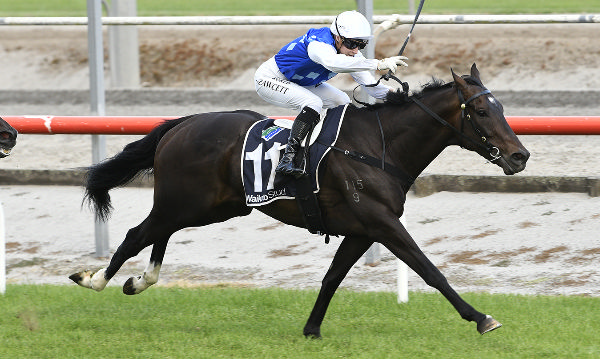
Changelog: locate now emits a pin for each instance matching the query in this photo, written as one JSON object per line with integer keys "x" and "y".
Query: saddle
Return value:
{"x": 264, "y": 145}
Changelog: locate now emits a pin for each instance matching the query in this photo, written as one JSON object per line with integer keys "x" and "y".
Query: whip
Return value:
{"x": 389, "y": 74}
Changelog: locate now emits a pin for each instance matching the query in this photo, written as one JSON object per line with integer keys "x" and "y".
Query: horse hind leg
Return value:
{"x": 136, "y": 285}
{"x": 137, "y": 238}
{"x": 349, "y": 252}
{"x": 90, "y": 279}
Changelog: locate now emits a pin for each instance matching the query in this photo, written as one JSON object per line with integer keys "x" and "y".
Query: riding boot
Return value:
{"x": 302, "y": 124}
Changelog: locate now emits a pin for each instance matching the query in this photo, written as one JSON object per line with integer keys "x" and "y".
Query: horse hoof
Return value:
{"x": 83, "y": 279}
{"x": 487, "y": 325}
{"x": 129, "y": 288}
{"x": 312, "y": 334}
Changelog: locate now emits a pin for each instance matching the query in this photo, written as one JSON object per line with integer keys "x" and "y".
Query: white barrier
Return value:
{"x": 290, "y": 20}
{"x": 402, "y": 280}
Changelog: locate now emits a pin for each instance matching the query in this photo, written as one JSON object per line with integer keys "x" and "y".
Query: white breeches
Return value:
{"x": 272, "y": 86}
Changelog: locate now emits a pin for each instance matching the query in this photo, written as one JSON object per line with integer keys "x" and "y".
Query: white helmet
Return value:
{"x": 351, "y": 25}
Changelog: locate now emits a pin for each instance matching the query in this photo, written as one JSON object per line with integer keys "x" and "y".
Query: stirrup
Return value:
{"x": 300, "y": 170}
{"x": 290, "y": 169}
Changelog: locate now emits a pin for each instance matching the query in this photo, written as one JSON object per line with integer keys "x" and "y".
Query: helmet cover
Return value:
{"x": 351, "y": 25}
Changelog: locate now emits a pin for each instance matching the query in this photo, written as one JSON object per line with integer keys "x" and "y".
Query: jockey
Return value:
{"x": 295, "y": 77}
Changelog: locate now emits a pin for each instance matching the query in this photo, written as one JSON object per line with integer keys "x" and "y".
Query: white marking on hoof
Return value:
{"x": 98, "y": 281}
{"x": 151, "y": 274}
{"x": 136, "y": 285}
{"x": 83, "y": 278}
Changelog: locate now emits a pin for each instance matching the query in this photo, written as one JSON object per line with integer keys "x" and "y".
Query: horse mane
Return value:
{"x": 400, "y": 98}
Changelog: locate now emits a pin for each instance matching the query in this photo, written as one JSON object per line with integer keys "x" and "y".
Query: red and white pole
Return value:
{"x": 140, "y": 125}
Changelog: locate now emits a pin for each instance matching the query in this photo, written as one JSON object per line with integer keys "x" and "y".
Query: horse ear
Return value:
{"x": 459, "y": 81}
{"x": 475, "y": 72}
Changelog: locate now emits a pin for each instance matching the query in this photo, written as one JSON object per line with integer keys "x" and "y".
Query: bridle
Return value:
{"x": 492, "y": 150}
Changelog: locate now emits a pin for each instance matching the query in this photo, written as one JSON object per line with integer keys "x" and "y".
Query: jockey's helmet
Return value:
{"x": 351, "y": 25}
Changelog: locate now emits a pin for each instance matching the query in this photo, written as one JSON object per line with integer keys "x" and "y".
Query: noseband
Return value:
{"x": 493, "y": 151}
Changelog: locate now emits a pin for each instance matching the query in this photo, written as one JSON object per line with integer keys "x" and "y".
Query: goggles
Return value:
{"x": 352, "y": 44}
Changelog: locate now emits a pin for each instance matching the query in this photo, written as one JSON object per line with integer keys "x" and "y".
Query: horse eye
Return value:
{"x": 481, "y": 113}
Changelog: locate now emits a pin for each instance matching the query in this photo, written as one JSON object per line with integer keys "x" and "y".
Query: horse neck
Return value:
{"x": 414, "y": 137}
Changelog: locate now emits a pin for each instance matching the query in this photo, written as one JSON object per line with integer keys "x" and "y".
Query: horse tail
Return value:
{"x": 137, "y": 158}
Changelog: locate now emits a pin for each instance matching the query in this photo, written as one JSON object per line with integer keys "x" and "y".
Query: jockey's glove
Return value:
{"x": 391, "y": 63}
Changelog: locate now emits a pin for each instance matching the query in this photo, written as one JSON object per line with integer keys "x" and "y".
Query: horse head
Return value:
{"x": 484, "y": 126}
{"x": 8, "y": 138}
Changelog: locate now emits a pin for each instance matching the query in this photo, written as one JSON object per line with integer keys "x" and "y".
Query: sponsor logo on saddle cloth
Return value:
{"x": 263, "y": 147}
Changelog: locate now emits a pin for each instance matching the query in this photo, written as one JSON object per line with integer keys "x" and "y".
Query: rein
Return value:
{"x": 377, "y": 163}
{"x": 493, "y": 151}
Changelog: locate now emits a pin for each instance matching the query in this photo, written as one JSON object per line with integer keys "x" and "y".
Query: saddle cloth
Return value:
{"x": 263, "y": 147}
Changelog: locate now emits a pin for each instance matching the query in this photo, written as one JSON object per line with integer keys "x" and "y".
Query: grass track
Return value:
{"x": 72, "y": 322}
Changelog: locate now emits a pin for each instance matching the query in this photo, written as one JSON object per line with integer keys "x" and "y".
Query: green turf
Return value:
{"x": 73, "y": 322}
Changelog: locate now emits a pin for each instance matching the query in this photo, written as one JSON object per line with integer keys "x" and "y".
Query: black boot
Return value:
{"x": 302, "y": 124}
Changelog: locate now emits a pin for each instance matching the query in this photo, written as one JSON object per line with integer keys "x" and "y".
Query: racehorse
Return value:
{"x": 8, "y": 138}
{"x": 197, "y": 181}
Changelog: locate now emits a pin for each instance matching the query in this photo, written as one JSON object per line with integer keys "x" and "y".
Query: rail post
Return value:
{"x": 124, "y": 55}
{"x": 97, "y": 104}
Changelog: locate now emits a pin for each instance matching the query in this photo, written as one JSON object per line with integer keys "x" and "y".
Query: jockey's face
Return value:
{"x": 343, "y": 49}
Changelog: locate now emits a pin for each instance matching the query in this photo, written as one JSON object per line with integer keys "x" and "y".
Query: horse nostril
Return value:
{"x": 521, "y": 156}
{"x": 7, "y": 135}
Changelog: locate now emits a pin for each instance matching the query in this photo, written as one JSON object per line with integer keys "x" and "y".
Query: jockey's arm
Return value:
{"x": 327, "y": 56}
{"x": 358, "y": 66}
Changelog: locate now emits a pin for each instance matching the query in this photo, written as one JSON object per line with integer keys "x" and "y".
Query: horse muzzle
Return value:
{"x": 515, "y": 162}
{"x": 8, "y": 140}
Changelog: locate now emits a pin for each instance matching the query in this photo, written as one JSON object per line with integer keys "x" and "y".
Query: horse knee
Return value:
{"x": 331, "y": 281}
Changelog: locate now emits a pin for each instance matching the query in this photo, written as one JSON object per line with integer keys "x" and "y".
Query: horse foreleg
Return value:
{"x": 349, "y": 252}
{"x": 407, "y": 251}
{"x": 136, "y": 285}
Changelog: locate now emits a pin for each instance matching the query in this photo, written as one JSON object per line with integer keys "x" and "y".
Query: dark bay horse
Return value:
{"x": 196, "y": 162}
{"x": 8, "y": 138}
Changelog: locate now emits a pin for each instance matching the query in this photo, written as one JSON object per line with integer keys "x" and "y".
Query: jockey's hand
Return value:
{"x": 391, "y": 63}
